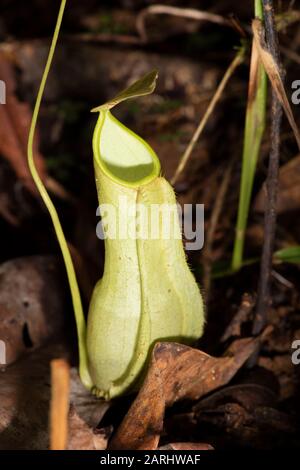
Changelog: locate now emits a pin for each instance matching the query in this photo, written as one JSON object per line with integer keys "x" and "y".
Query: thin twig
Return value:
{"x": 285, "y": 19}
{"x": 58, "y": 190}
{"x": 244, "y": 313}
{"x": 285, "y": 282}
{"x": 209, "y": 239}
{"x": 291, "y": 54}
{"x": 124, "y": 39}
{"x": 263, "y": 298}
{"x": 181, "y": 12}
{"x": 60, "y": 384}
{"x": 229, "y": 72}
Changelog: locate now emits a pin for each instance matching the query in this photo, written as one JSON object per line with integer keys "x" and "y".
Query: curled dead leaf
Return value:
{"x": 176, "y": 372}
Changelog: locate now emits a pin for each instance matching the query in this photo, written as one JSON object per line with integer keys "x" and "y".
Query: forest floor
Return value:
{"x": 237, "y": 391}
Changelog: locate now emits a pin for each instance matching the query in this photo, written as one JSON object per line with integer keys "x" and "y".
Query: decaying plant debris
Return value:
{"x": 231, "y": 390}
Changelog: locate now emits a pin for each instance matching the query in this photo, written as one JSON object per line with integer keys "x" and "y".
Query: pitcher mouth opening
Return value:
{"x": 123, "y": 156}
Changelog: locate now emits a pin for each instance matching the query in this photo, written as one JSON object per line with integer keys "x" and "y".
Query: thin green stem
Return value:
{"x": 76, "y": 299}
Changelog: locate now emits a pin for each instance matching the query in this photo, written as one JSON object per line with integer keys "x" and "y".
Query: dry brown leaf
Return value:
{"x": 83, "y": 437}
{"x": 32, "y": 309}
{"x": 88, "y": 407}
{"x": 274, "y": 74}
{"x": 15, "y": 119}
{"x": 249, "y": 395}
{"x": 176, "y": 372}
{"x": 24, "y": 400}
{"x": 261, "y": 426}
{"x": 288, "y": 188}
{"x": 187, "y": 446}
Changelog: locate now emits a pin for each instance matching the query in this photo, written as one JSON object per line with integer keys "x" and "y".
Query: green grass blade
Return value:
{"x": 254, "y": 129}
{"x": 258, "y": 9}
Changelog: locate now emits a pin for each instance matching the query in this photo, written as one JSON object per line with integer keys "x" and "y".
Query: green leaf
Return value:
{"x": 144, "y": 86}
{"x": 288, "y": 255}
